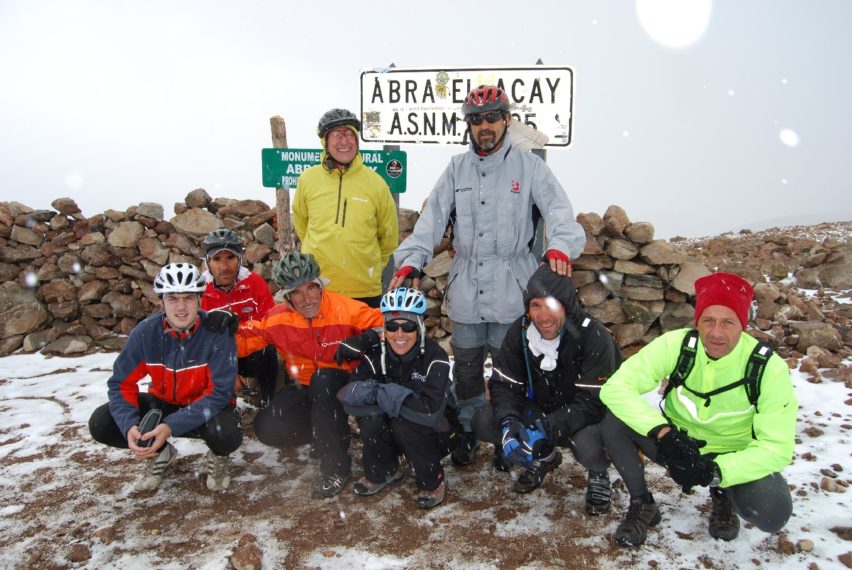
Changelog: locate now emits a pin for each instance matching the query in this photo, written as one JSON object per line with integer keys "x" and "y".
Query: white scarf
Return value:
{"x": 539, "y": 346}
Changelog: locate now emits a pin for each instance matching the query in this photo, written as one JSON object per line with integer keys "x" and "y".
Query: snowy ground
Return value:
{"x": 60, "y": 490}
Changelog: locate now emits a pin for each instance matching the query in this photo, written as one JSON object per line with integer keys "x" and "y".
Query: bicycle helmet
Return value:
{"x": 485, "y": 98}
{"x": 220, "y": 239}
{"x": 337, "y": 118}
{"x": 295, "y": 269}
{"x": 179, "y": 278}
{"x": 403, "y": 300}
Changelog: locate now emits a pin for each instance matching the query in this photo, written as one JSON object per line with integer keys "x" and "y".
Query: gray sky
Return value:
{"x": 118, "y": 102}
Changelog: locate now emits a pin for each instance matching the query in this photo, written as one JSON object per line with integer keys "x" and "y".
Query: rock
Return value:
{"x": 124, "y": 305}
{"x": 265, "y": 234}
{"x": 180, "y": 242}
{"x": 407, "y": 219}
{"x": 78, "y": 553}
{"x": 57, "y": 290}
{"x": 92, "y": 291}
{"x": 689, "y": 272}
{"x": 65, "y": 206}
{"x": 591, "y": 222}
{"x": 10, "y": 345}
{"x": 126, "y": 234}
{"x": 641, "y": 293}
{"x": 846, "y": 559}
{"x": 440, "y": 265}
{"x": 37, "y": 340}
{"x": 659, "y": 252}
{"x": 25, "y": 236}
{"x": 592, "y": 246}
{"x": 256, "y": 252}
{"x": 198, "y": 198}
{"x": 150, "y": 210}
{"x": 8, "y": 272}
{"x": 615, "y": 221}
{"x": 831, "y": 485}
{"x": 22, "y": 319}
{"x": 837, "y": 275}
{"x": 244, "y": 208}
{"x": 64, "y": 310}
{"x": 633, "y": 267}
{"x": 677, "y": 316}
{"x": 812, "y": 333}
{"x": 12, "y": 294}
{"x": 18, "y": 253}
{"x": 628, "y": 333}
{"x": 640, "y": 232}
{"x": 247, "y": 557}
{"x": 592, "y": 294}
{"x": 642, "y": 312}
{"x": 592, "y": 262}
{"x": 579, "y": 278}
{"x": 609, "y": 311}
{"x": 154, "y": 250}
{"x": 196, "y": 221}
{"x": 621, "y": 249}
{"x": 67, "y": 345}
{"x": 99, "y": 255}
{"x": 93, "y": 238}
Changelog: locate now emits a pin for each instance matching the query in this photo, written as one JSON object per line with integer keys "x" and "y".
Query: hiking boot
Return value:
{"x": 532, "y": 478}
{"x": 154, "y": 468}
{"x": 218, "y": 471}
{"x": 463, "y": 454}
{"x": 428, "y": 499}
{"x": 640, "y": 515}
{"x": 329, "y": 486}
{"x": 724, "y": 522}
{"x": 598, "y": 492}
{"x": 365, "y": 487}
{"x": 500, "y": 462}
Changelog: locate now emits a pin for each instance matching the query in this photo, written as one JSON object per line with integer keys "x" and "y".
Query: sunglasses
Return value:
{"x": 406, "y": 326}
{"x": 491, "y": 117}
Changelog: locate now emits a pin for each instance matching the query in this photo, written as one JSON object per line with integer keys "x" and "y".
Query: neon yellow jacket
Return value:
{"x": 727, "y": 423}
{"x": 348, "y": 220}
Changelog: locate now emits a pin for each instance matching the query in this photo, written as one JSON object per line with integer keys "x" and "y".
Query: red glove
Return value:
{"x": 405, "y": 272}
{"x": 557, "y": 255}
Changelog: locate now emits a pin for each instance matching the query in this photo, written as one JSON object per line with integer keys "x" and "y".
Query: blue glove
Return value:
{"x": 515, "y": 442}
{"x": 538, "y": 444}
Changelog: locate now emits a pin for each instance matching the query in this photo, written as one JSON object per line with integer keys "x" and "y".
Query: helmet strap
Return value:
{"x": 497, "y": 145}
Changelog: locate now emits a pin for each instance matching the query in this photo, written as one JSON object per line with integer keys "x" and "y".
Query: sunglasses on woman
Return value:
{"x": 491, "y": 117}
{"x": 406, "y": 326}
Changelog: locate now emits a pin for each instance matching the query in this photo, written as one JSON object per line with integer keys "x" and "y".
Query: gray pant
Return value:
{"x": 470, "y": 343}
{"x": 766, "y": 503}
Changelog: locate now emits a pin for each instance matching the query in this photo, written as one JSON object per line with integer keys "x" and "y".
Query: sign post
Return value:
{"x": 282, "y": 166}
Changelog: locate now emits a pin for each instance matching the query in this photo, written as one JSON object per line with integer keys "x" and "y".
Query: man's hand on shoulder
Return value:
{"x": 403, "y": 273}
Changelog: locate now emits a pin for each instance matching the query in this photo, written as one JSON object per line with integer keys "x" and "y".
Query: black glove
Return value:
{"x": 356, "y": 347}
{"x": 677, "y": 446}
{"x": 219, "y": 320}
{"x": 689, "y": 473}
{"x": 149, "y": 422}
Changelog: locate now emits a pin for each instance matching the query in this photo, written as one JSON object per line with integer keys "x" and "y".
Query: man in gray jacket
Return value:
{"x": 493, "y": 195}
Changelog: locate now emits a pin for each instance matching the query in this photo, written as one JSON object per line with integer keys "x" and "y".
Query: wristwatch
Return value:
{"x": 717, "y": 476}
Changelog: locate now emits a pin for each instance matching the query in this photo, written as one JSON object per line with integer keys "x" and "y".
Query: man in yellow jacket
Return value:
{"x": 344, "y": 213}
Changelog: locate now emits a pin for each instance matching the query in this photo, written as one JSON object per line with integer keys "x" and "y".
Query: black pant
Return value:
{"x": 263, "y": 367}
{"x": 385, "y": 439}
{"x": 299, "y": 414}
{"x": 766, "y": 503}
{"x": 586, "y": 444}
{"x": 222, "y": 433}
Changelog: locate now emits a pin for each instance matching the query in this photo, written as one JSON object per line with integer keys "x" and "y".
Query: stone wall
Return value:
{"x": 73, "y": 284}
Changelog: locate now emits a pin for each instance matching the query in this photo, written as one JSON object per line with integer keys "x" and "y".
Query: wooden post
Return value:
{"x": 286, "y": 242}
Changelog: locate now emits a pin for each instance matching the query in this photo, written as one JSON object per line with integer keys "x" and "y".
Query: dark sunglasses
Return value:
{"x": 406, "y": 326}
{"x": 491, "y": 117}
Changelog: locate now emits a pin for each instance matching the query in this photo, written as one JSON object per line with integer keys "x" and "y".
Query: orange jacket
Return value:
{"x": 308, "y": 344}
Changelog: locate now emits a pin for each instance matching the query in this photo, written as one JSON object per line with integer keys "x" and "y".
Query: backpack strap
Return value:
{"x": 685, "y": 362}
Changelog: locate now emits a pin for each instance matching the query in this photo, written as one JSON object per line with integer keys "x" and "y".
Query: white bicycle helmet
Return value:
{"x": 179, "y": 278}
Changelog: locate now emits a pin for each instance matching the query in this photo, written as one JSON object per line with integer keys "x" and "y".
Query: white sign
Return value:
{"x": 424, "y": 105}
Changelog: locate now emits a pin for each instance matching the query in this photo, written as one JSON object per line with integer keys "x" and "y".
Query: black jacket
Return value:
{"x": 427, "y": 375}
{"x": 587, "y": 356}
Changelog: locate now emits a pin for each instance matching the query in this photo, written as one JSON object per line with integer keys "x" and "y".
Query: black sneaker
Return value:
{"x": 500, "y": 462}
{"x": 365, "y": 487}
{"x": 329, "y": 486}
{"x": 532, "y": 478}
{"x": 463, "y": 454}
{"x": 640, "y": 516}
{"x": 724, "y": 522}
{"x": 598, "y": 492}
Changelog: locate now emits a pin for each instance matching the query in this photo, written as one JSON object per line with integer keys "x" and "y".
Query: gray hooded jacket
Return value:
{"x": 493, "y": 197}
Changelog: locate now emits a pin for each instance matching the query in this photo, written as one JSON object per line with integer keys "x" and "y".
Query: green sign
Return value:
{"x": 282, "y": 166}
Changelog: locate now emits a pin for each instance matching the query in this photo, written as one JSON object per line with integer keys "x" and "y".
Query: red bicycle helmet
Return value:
{"x": 485, "y": 98}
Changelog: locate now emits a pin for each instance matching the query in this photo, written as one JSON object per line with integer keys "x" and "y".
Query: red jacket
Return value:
{"x": 306, "y": 345}
{"x": 249, "y": 298}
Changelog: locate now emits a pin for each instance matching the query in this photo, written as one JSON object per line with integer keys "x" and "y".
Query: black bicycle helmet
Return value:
{"x": 337, "y": 118}
{"x": 220, "y": 239}
{"x": 295, "y": 269}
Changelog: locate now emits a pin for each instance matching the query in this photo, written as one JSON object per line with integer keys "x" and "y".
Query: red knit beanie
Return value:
{"x": 725, "y": 289}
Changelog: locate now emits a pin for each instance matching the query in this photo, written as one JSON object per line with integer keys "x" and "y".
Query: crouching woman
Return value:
{"x": 400, "y": 395}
